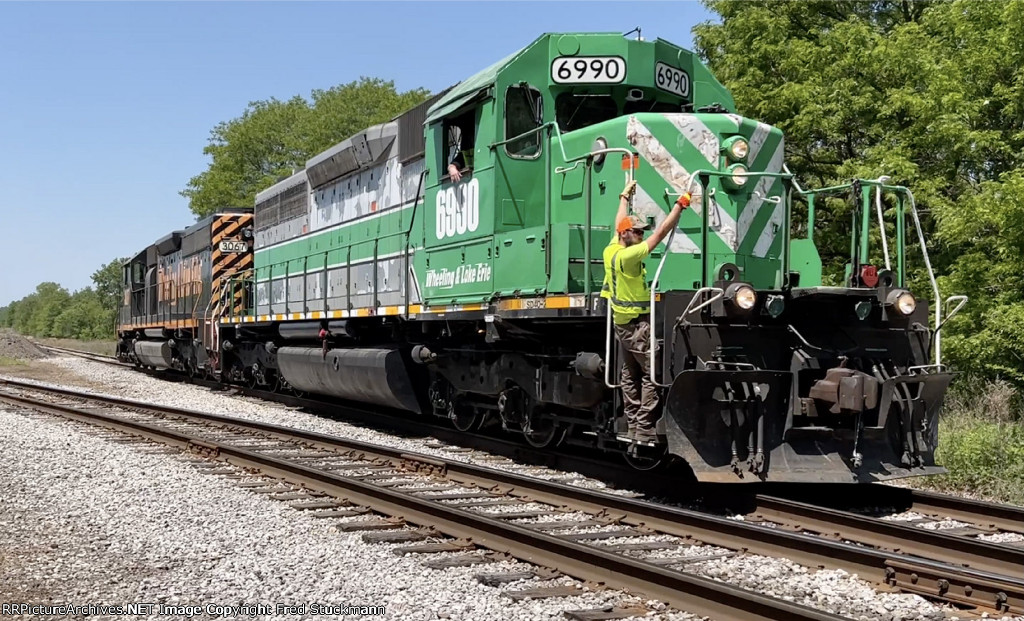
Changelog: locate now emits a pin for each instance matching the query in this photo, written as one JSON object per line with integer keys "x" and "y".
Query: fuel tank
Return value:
{"x": 378, "y": 376}
{"x": 154, "y": 354}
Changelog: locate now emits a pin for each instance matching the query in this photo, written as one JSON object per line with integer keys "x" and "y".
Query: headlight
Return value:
{"x": 736, "y": 148}
{"x": 742, "y": 295}
{"x": 906, "y": 303}
{"x": 737, "y": 177}
{"x": 903, "y": 301}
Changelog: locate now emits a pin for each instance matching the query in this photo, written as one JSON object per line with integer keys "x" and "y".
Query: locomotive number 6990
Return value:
{"x": 588, "y": 69}
{"x": 458, "y": 209}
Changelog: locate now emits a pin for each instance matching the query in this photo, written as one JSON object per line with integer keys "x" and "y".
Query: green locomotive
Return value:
{"x": 449, "y": 263}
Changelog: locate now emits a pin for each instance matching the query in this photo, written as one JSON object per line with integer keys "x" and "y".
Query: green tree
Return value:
{"x": 343, "y": 110}
{"x": 931, "y": 94}
{"x": 248, "y": 154}
{"x": 83, "y": 317}
{"x": 50, "y": 311}
{"x": 108, "y": 283}
{"x": 53, "y": 300}
{"x": 272, "y": 138}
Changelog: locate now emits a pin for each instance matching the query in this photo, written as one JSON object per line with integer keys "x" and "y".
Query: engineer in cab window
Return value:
{"x": 460, "y": 147}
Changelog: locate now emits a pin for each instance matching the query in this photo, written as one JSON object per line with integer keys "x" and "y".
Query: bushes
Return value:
{"x": 981, "y": 441}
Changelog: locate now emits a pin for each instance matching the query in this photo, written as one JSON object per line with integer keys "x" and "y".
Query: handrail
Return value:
{"x": 654, "y": 310}
{"x": 931, "y": 277}
{"x": 608, "y": 348}
{"x": 881, "y": 227}
{"x": 718, "y": 292}
{"x": 263, "y": 269}
{"x": 654, "y": 287}
{"x": 899, "y": 190}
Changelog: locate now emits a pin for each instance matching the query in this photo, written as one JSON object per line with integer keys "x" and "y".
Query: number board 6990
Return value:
{"x": 673, "y": 80}
{"x": 588, "y": 69}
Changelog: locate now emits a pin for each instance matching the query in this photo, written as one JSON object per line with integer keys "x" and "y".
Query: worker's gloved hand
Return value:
{"x": 629, "y": 190}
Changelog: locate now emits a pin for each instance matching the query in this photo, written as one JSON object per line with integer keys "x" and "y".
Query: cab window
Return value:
{"x": 524, "y": 111}
{"x": 632, "y": 107}
{"x": 578, "y": 110}
{"x": 459, "y": 141}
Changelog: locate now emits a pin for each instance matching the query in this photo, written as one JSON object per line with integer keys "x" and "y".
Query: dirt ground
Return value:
{"x": 22, "y": 358}
{"x": 45, "y": 371}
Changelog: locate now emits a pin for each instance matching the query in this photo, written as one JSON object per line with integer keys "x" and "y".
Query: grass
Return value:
{"x": 981, "y": 441}
{"x": 94, "y": 347}
{"x": 12, "y": 362}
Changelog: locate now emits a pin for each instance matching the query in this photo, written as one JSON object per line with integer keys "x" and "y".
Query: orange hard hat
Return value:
{"x": 631, "y": 222}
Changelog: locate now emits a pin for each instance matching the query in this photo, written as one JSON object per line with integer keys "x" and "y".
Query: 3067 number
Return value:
{"x": 673, "y": 80}
{"x": 588, "y": 69}
{"x": 233, "y": 245}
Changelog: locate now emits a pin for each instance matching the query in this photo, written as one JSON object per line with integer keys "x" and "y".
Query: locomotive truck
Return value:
{"x": 379, "y": 277}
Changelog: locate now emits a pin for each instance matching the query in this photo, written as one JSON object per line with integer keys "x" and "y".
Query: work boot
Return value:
{"x": 646, "y": 435}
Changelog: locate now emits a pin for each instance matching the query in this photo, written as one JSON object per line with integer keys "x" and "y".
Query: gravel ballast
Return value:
{"x": 88, "y": 521}
{"x": 829, "y": 590}
{"x": 14, "y": 345}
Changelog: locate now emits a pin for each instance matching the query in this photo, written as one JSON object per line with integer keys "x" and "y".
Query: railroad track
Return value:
{"x": 748, "y": 499}
{"x": 621, "y": 542}
{"x": 104, "y": 358}
{"x": 365, "y": 478}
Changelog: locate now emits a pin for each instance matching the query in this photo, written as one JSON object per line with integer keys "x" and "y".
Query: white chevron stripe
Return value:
{"x": 757, "y": 140}
{"x": 645, "y": 207}
{"x": 694, "y": 130}
{"x": 764, "y": 184}
{"x": 771, "y": 230}
{"x": 661, "y": 160}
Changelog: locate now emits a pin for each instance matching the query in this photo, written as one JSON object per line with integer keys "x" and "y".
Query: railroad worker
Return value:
{"x": 629, "y": 300}
{"x": 461, "y": 145}
{"x": 463, "y": 161}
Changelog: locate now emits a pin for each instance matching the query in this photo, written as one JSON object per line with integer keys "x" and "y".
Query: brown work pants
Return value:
{"x": 639, "y": 395}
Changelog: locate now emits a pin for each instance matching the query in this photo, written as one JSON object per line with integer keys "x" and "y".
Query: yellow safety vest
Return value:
{"x": 627, "y": 293}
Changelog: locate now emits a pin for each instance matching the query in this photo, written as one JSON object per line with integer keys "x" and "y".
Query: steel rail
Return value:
{"x": 656, "y": 483}
{"x": 886, "y": 535}
{"x": 978, "y": 512}
{"x": 941, "y": 576}
{"x": 688, "y": 592}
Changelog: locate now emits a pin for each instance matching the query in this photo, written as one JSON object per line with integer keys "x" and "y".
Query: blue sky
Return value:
{"x": 105, "y": 107}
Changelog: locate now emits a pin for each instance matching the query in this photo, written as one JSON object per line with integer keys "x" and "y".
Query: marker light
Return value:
{"x": 775, "y": 305}
{"x": 600, "y": 144}
{"x": 863, "y": 309}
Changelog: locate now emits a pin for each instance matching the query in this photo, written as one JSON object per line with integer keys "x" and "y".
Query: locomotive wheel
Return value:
{"x": 545, "y": 433}
{"x": 236, "y": 374}
{"x": 464, "y": 418}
